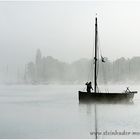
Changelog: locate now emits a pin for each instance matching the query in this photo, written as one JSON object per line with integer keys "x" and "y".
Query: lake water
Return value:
{"x": 53, "y": 111}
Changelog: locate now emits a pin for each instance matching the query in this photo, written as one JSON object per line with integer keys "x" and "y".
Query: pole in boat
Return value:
{"x": 95, "y": 75}
{"x": 95, "y": 57}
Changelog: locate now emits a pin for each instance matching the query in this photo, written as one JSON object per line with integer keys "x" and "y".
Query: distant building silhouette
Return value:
{"x": 49, "y": 70}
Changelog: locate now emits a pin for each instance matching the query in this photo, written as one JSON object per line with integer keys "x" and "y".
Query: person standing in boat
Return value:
{"x": 89, "y": 86}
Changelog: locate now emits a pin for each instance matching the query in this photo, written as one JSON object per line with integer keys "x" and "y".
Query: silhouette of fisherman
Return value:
{"x": 89, "y": 86}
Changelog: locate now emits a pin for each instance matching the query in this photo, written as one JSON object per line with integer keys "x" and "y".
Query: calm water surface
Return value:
{"x": 53, "y": 111}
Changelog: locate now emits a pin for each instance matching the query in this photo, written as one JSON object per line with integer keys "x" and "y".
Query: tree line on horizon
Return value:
{"x": 50, "y": 70}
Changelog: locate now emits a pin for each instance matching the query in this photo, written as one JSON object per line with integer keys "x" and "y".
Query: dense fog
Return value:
{"x": 64, "y": 32}
{"x": 50, "y": 70}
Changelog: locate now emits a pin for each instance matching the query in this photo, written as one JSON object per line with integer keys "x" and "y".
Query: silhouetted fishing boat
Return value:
{"x": 126, "y": 95}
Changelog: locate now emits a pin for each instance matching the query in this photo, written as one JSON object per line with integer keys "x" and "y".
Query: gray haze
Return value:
{"x": 65, "y": 30}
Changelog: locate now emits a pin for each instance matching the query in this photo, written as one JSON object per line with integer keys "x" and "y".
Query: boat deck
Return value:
{"x": 101, "y": 96}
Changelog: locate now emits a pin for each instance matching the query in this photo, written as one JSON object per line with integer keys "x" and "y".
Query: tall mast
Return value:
{"x": 95, "y": 58}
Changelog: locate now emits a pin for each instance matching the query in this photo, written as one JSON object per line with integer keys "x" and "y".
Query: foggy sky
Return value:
{"x": 65, "y": 30}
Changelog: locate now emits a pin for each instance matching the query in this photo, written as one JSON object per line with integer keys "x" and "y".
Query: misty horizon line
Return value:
{"x": 87, "y": 58}
{"x": 49, "y": 69}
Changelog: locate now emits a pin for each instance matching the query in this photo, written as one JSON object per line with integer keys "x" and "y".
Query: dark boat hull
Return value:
{"x": 110, "y": 97}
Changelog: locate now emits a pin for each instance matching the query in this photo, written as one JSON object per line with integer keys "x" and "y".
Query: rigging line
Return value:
{"x": 91, "y": 65}
{"x": 103, "y": 66}
{"x": 90, "y": 70}
{"x": 97, "y": 72}
{"x": 104, "y": 75}
{"x": 100, "y": 48}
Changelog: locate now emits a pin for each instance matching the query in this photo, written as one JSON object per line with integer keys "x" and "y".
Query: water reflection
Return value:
{"x": 105, "y": 117}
